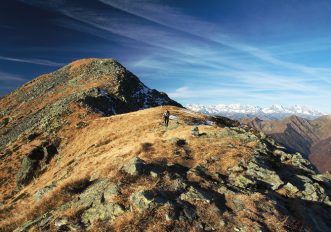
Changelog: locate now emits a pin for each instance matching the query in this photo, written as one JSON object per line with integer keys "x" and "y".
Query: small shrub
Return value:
{"x": 103, "y": 142}
{"x": 147, "y": 147}
{"x": 181, "y": 142}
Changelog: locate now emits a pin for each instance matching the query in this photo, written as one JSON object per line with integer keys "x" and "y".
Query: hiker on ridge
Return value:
{"x": 166, "y": 116}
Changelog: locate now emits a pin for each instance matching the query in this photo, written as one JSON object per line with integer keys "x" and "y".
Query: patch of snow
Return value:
{"x": 161, "y": 101}
{"x": 144, "y": 90}
{"x": 210, "y": 123}
{"x": 173, "y": 117}
{"x": 103, "y": 93}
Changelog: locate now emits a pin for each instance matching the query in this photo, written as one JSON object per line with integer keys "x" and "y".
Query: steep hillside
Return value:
{"x": 84, "y": 89}
{"x": 309, "y": 137}
{"x": 320, "y": 155}
{"x": 129, "y": 173}
{"x": 322, "y": 126}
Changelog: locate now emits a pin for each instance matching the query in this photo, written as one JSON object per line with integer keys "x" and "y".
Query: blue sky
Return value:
{"x": 209, "y": 52}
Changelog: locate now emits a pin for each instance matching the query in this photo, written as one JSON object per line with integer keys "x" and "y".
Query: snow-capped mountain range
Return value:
{"x": 238, "y": 111}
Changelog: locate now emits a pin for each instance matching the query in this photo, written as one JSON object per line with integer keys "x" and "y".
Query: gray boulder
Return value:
{"x": 30, "y": 167}
{"x": 101, "y": 211}
{"x": 195, "y": 131}
{"x": 261, "y": 173}
{"x": 194, "y": 194}
{"x": 134, "y": 166}
{"x": 35, "y": 163}
{"x": 142, "y": 200}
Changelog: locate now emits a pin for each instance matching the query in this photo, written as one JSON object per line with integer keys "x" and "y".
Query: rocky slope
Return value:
{"x": 74, "y": 159}
{"x": 129, "y": 173}
{"x": 47, "y": 111}
{"x": 95, "y": 87}
{"x": 309, "y": 137}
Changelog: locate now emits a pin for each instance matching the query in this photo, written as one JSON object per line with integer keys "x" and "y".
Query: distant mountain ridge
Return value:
{"x": 312, "y": 138}
{"x": 238, "y": 111}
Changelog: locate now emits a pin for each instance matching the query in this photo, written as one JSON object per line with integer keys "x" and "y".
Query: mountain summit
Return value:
{"x": 84, "y": 89}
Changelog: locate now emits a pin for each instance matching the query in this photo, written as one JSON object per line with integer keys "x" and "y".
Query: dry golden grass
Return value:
{"x": 76, "y": 64}
{"x": 102, "y": 147}
{"x": 257, "y": 210}
{"x": 29, "y": 210}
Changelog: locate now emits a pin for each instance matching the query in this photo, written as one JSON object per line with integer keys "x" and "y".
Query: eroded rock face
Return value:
{"x": 194, "y": 194}
{"x": 34, "y": 163}
{"x": 260, "y": 173}
{"x": 97, "y": 202}
{"x": 29, "y": 166}
{"x": 146, "y": 199}
{"x": 309, "y": 137}
{"x": 102, "y": 212}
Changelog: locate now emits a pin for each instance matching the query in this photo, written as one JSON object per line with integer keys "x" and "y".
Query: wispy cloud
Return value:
{"x": 32, "y": 61}
{"x": 172, "y": 18}
{"x": 164, "y": 15}
{"x": 195, "y": 58}
{"x": 9, "y": 81}
{"x": 10, "y": 77}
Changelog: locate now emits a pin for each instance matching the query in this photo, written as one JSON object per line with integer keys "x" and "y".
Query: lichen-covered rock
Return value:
{"x": 60, "y": 222}
{"x": 257, "y": 170}
{"x": 302, "y": 163}
{"x": 291, "y": 188}
{"x": 34, "y": 163}
{"x": 43, "y": 219}
{"x": 43, "y": 191}
{"x": 312, "y": 191}
{"x": 134, "y": 166}
{"x": 262, "y": 173}
{"x": 242, "y": 181}
{"x": 28, "y": 170}
{"x": 194, "y": 194}
{"x": 153, "y": 174}
{"x": 100, "y": 211}
{"x": 236, "y": 133}
{"x": 111, "y": 190}
{"x": 98, "y": 192}
{"x": 283, "y": 155}
{"x": 142, "y": 200}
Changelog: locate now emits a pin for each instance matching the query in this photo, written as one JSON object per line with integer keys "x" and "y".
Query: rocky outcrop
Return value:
{"x": 135, "y": 166}
{"x": 34, "y": 163}
{"x": 197, "y": 196}
{"x": 309, "y": 137}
